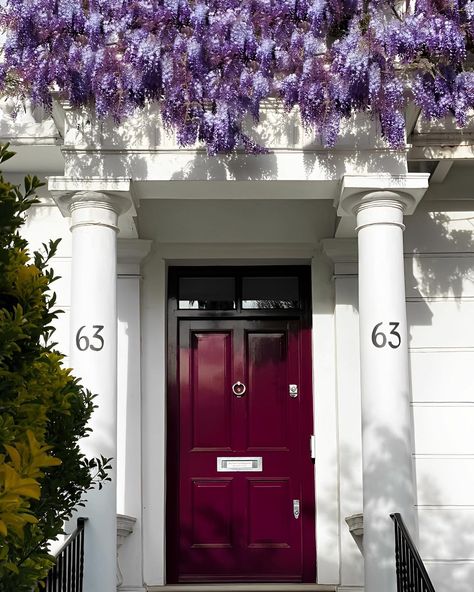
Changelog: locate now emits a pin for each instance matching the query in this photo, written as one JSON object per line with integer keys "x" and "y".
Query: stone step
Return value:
{"x": 230, "y": 587}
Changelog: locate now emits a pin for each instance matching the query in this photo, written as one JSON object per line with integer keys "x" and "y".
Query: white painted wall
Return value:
{"x": 348, "y": 463}
{"x": 325, "y": 423}
{"x": 129, "y": 422}
{"x": 440, "y": 290}
{"x": 153, "y": 417}
{"x": 349, "y": 423}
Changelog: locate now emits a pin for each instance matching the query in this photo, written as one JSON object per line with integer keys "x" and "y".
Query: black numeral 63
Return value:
{"x": 380, "y": 339}
{"x": 95, "y": 343}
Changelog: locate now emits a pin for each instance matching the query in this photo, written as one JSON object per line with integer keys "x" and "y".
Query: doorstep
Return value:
{"x": 247, "y": 587}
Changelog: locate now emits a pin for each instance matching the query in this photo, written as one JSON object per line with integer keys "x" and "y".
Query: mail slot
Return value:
{"x": 227, "y": 464}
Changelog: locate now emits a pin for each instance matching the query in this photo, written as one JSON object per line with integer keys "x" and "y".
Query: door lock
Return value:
{"x": 293, "y": 390}
{"x": 296, "y": 508}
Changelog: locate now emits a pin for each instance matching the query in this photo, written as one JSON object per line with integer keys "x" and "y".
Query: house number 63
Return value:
{"x": 95, "y": 343}
{"x": 380, "y": 339}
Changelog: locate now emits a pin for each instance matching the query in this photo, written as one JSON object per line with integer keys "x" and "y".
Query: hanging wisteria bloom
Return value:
{"x": 211, "y": 63}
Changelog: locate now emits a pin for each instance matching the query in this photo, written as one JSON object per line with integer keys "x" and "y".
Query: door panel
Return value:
{"x": 239, "y": 526}
{"x": 266, "y": 358}
{"x": 268, "y": 516}
{"x": 210, "y": 405}
{"x": 211, "y": 506}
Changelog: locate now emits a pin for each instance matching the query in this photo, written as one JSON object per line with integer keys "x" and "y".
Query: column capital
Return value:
{"x": 405, "y": 190}
{"x": 71, "y": 193}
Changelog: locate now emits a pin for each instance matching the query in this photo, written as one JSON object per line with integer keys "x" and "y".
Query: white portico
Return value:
{"x": 179, "y": 208}
{"x": 379, "y": 203}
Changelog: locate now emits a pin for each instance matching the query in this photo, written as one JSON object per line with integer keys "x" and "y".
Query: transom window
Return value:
{"x": 246, "y": 291}
{"x": 207, "y": 293}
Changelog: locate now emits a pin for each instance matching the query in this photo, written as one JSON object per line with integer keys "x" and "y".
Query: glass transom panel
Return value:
{"x": 207, "y": 293}
{"x": 270, "y": 292}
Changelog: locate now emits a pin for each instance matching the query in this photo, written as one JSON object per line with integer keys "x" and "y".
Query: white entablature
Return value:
{"x": 75, "y": 144}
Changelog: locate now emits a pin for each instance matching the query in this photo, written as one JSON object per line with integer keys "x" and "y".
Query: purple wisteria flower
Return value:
{"x": 211, "y": 63}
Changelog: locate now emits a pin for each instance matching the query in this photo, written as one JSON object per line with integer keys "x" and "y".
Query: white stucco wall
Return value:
{"x": 440, "y": 291}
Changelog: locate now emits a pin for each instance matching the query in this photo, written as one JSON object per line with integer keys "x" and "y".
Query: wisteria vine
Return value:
{"x": 211, "y": 63}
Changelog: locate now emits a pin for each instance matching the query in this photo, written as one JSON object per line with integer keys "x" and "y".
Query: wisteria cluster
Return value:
{"x": 211, "y": 63}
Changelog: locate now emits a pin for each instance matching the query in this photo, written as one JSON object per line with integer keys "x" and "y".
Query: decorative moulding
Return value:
{"x": 125, "y": 525}
{"x": 63, "y": 189}
{"x": 355, "y": 522}
{"x": 409, "y": 187}
{"x": 133, "y": 250}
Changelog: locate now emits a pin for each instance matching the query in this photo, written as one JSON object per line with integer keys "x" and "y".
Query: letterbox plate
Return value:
{"x": 231, "y": 464}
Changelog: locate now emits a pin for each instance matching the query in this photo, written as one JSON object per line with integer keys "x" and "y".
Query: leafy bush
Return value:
{"x": 43, "y": 408}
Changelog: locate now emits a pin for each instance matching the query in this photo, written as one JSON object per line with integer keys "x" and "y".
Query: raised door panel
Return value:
{"x": 269, "y": 513}
{"x": 210, "y": 387}
{"x": 207, "y": 536}
{"x": 266, "y": 354}
{"x": 211, "y": 503}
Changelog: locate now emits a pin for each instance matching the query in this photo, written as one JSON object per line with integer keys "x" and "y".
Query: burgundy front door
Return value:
{"x": 244, "y": 393}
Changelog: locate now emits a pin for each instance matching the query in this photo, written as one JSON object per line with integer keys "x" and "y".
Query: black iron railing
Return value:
{"x": 411, "y": 572}
{"x": 67, "y": 573}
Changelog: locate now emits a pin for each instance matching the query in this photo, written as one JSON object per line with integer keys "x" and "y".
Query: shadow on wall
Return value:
{"x": 104, "y": 148}
{"x": 283, "y": 132}
{"x": 133, "y": 148}
{"x": 389, "y": 481}
{"x": 350, "y": 489}
{"x": 361, "y": 143}
{"x": 446, "y": 539}
{"x": 430, "y": 236}
{"x": 442, "y": 245}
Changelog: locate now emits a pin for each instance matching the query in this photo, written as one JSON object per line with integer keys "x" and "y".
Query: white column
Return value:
{"x": 94, "y": 218}
{"x": 379, "y": 202}
{"x": 388, "y": 479}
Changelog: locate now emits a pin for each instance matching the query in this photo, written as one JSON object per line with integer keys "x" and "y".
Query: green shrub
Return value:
{"x": 43, "y": 409}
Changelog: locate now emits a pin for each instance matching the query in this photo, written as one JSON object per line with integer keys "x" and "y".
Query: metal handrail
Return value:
{"x": 411, "y": 572}
{"x": 66, "y": 575}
